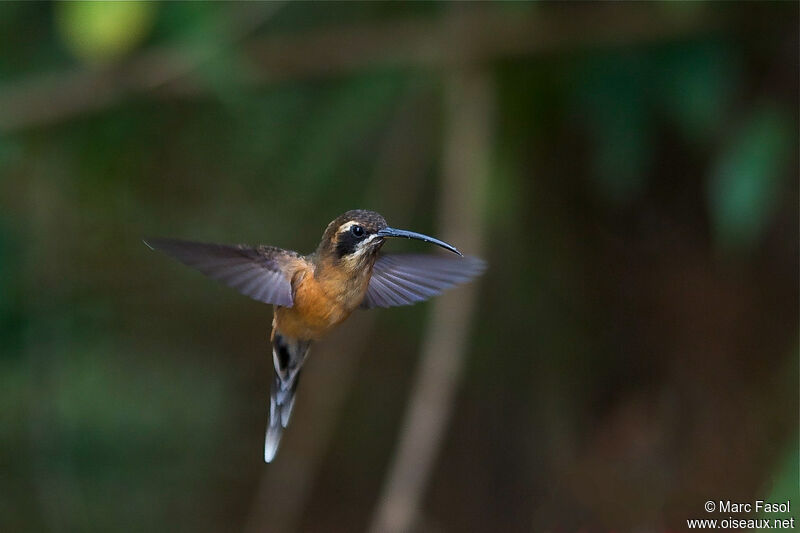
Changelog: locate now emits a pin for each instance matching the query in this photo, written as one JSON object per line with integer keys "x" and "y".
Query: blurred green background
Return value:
{"x": 635, "y": 345}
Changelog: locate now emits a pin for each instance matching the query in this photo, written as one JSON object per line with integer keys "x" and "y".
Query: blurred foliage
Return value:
{"x": 634, "y": 325}
{"x": 748, "y": 180}
{"x": 102, "y": 32}
{"x": 785, "y": 487}
{"x": 623, "y": 95}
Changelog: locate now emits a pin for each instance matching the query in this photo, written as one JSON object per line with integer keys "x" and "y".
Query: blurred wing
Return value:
{"x": 260, "y": 273}
{"x": 406, "y": 279}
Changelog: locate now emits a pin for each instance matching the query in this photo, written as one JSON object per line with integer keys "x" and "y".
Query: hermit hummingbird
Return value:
{"x": 313, "y": 293}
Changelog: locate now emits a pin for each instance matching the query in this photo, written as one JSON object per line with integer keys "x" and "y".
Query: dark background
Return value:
{"x": 633, "y": 351}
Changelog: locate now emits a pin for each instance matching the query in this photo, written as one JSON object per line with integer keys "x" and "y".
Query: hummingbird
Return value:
{"x": 312, "y": 294}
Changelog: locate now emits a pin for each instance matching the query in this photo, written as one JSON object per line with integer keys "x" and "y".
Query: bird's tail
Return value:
{"x": 288, "y": 357}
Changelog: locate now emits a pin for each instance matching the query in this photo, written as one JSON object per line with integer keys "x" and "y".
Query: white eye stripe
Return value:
{"x": 367, "y": 240}
{"x": 346, "y": 226}
{"x": 362, "y": 245}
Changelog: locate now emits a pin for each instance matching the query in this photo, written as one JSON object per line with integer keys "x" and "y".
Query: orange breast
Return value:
{"x": 319, "y": 305}
{"x": 324, "y": 296}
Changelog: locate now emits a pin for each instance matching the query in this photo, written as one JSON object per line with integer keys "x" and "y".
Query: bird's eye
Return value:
{"x": 357, "y": 231}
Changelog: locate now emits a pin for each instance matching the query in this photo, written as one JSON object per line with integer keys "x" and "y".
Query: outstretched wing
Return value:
{"x": 262, "y": 272}
{"x": 405, "y": 279}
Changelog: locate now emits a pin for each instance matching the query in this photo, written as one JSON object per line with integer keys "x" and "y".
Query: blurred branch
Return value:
{"x": 54, "y": 96}
{"x": 469, "y": 100}
{"x": 493, "y": 33}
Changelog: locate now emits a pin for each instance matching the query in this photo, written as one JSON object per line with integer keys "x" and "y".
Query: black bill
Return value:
{"x": 391, "y": 232}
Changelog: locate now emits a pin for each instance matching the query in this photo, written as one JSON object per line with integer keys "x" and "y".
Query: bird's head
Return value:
{"x": 354, "y": 238}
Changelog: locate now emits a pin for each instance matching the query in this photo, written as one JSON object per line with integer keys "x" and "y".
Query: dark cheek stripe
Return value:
{"x": 346, "y": 245}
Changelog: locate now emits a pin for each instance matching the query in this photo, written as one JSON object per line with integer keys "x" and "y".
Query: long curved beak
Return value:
{"x": 391, "y": 232}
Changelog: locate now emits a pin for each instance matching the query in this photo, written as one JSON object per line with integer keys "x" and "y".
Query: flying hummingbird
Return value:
{"x": 312, "y": 294}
